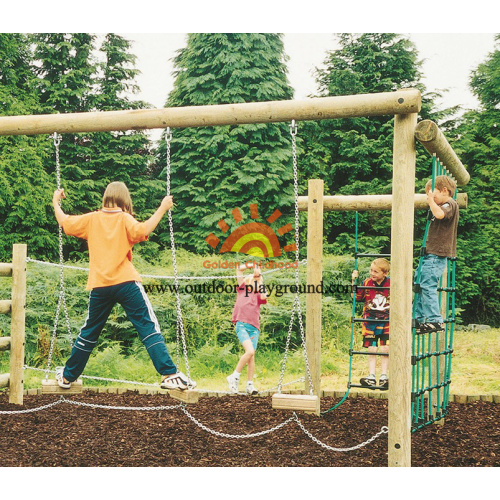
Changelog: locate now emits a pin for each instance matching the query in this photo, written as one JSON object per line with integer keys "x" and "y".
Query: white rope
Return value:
{"x": 165, "y": 277}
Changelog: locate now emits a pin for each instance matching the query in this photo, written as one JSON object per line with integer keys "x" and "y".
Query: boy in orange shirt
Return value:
{"x": 111, "y": 233}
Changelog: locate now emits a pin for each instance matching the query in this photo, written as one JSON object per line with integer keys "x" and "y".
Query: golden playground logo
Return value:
{"x": 253, "y": 238}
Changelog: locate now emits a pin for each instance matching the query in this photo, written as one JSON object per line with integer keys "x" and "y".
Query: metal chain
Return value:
{"x": 31, "y": 410}
{"x": 132, "y": 408}
{"x": 296, "y": 302}
{"x": 180, "y": 322}
{"x": 62, "y": 292}
{"x": 235, "y": 436}
{"x": 383, "y": 430}
{"x": 102, "y": 379}
{"x": 182, "y": 407}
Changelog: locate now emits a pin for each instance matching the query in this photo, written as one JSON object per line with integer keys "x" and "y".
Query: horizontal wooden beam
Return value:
{"x": 5, "y": 269}
{"x": 4, "y": 380}
{"x": 5, "y": 306}
{"x": 321, "y": 108}
{"x": 371, "y": 202}
{"x": 434, "y": 141}
{"x": 4, "y": 343}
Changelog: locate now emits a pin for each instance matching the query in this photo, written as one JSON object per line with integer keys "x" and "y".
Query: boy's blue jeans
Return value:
{"x": 427, "y": 308}
{"x": 132, "y": 297}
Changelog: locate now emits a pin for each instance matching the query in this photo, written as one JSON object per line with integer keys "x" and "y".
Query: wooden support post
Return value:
{"x": 434, "y": 141}
{"x": 403, "y": 189}
{"x": 314, "y": 279}
{"x": 18, "y": 312}
{"x": 321, "y": 108}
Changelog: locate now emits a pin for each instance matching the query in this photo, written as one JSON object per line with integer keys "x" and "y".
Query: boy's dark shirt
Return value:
{"x": 442, "y": 236}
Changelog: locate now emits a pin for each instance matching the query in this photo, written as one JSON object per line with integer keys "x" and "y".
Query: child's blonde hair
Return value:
{"x": 442, "y": 182}
{"x": 117, "y": 195}
{"x": 383, "y": 264}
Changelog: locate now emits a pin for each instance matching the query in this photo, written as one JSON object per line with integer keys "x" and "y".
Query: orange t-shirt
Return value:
{"x": 110, "y": 234}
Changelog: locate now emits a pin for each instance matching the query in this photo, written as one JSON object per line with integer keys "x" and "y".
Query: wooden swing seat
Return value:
{"x": 189, "y": 396}
{"x": 298, "y": 402}
{"x": 50, "y": 386}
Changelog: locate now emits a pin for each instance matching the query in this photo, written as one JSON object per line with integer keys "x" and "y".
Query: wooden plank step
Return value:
{"x": 300, "y": 402}
{"x": 189, "y": 396}
{"x": 50, "y": 387}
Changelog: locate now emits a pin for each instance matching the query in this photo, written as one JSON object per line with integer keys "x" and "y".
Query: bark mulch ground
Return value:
{"x": 79, "y": 436}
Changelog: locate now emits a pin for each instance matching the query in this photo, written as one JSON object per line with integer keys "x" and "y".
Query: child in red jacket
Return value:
{"x": 375, "y": 329}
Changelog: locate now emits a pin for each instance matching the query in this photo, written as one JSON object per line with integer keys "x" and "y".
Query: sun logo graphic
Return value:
{"x": 253, "y": 238}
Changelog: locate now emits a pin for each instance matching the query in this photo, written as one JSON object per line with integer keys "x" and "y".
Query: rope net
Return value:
{"x": 432, "y": 351}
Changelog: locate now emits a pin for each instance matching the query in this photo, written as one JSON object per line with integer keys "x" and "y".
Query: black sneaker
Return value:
{"x": 383, "y": 383}
{"x": 429, "y": 327}
{"x": 369, "y": 381}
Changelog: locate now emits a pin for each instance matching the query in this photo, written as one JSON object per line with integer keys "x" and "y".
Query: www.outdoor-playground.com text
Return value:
{"x": 217, "y": 288}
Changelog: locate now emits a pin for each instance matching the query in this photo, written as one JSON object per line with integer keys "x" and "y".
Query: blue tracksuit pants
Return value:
{"x": 132, "y": 297}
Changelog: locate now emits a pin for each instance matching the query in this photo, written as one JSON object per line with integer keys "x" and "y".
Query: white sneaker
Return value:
{"x": 177, "y": 381}
{"x": 61, "y": 381}
{"x": 233, "y": 383}
{"x": 251, "y": 390}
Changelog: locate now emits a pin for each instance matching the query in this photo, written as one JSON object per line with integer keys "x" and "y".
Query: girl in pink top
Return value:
{"x": 251, "y": 295}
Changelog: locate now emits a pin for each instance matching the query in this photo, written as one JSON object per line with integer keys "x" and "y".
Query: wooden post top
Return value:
{"x": 434, "y": 141}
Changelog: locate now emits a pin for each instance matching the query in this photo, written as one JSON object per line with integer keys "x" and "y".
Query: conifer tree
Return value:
{"x": 76, "y": 74}
{"x": 66, "y": 67}
{"x": 24, "y": 184}
{"x": 123, "y": 155}
{"x": 217, "y": 169}
{"x": 354, "y": 156}
{"x": 478, "y": 146}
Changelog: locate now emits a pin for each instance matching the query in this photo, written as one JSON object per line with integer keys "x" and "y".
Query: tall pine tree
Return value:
{"x": 217, "y": 169}
{"x": 24, "y": 184}
{"x": 478, "y": 145}
{"x": 77, "y": 75}
{"x": 354, "y": 156}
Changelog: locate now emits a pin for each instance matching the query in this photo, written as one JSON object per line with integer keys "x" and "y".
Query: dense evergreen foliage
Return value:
{"x": 354, "y": 156}
{"x": 67, "y": 73}
{"x": 478, "y": 145}
{"x": 216, "y": 169}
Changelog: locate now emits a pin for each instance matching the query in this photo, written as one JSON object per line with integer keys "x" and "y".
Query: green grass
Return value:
{"x": 212, "y": 346}
{"x": 475, "y": 364}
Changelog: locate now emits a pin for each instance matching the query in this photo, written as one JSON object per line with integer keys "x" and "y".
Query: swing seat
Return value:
{"x": 189, "y": 396}
{"x": 299, "y": 402}
{"x": 50, "y": 386}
